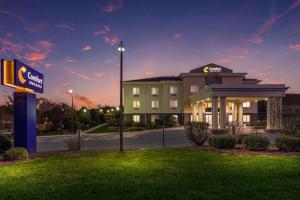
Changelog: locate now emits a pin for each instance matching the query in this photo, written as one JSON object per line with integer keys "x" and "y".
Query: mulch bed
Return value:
{"x": 240, "y": 151}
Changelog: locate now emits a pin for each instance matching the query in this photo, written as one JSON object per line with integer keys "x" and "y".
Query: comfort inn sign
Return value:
{"x": 20, "y": 76}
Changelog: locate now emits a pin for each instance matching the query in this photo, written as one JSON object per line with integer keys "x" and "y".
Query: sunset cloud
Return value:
{"x": 35, "y": 56}
{"x": 112, "y": 6}
{"x": 37, "y": 27}
{"x": 268, "y": 24}
{"x": 81, "y": 100}
{"x": 99, "y": 74}
{"x": 67, "y": 26}
{"x": 103, "y": 31}
{"x": 178, "y": 36}
{"x": 69, "y": 59}
{"x": 87, "y": 48}
{"x": 110, "y": 40}
{"x": 295, "y": 47}
{"x": 12, "y": 15}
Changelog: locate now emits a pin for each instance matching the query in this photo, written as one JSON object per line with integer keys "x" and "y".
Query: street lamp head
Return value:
{"x": 84, "y": 110}
{"x": 70, "y": 91}
{"x": 121, "y": 47}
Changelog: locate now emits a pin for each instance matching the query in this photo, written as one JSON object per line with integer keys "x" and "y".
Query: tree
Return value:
{"x": 84, "y": 117}
{"x": 68, "y": 118}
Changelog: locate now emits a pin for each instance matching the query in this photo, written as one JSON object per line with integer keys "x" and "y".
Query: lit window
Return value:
{"x": 136, "y": 118}
{"x": 155, "y": 104}
{"x": 230, "y": 119}
{"x": 194, "y": 88}
{"x": 154, "y": 91}
{"x": 136, "y": 104}
{"x": 173, "y": 90}
{"x": 246, "y": 118}
{"x": 154, "y": 118}
{"x": 246, "y": 104}
{"x": 136, "y": 91}
{"x": 173, "y": 104}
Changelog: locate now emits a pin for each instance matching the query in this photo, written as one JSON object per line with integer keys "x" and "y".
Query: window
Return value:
{"x": 194, "y": 88}
{"x": 173, "y": 90}
{"x": 230, "y": 119}
{"x": 246, "y": 118}
{"x": 136, "y": 104}
{"x": 154, "y": 118}
{"x": 136, "y": 118}
{"x": 154, "y": 104}
{"x": 136, "y": 91}
{"x": 173, "y": 104}
{"x": 246, "y": 104}
{"x": 154, "y": 91}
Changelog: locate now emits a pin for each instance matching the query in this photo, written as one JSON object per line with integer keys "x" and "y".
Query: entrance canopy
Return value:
{"x": 224, "y": 99}
{"x": 240, "y": 90}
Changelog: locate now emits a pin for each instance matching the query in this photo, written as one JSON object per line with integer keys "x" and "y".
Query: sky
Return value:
{"x": 74, "y": 43}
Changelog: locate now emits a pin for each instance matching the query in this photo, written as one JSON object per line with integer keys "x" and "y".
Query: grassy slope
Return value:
{"x": 153, "y": 174}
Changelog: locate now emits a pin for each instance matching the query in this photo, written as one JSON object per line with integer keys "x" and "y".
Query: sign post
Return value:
{"x": 26, "y": 81}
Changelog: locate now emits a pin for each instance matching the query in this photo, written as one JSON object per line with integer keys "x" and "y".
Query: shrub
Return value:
{"x": 17, "y": 153}
{"x": 5, "y": 144}
{"x": 197, "y": 132}
{"x": 136, "y": 128}
{"x": 256, "y": 142}
{"x": 286, "y": 143}
{"x": 219, "y": 131}
{"x": 224, "y": 141}
{"x": 239, "y": 138}
{"x": 73, "y": 144}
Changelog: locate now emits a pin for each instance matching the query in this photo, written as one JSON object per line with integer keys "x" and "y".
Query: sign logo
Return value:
{"x": 21, "y": 71}
{"x": 212, "y": 69}
{"x": 18, "y": 75}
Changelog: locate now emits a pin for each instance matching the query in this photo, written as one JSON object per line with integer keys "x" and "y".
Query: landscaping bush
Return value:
{"x": 17, "y": 153}
{"x": 197, "y": 132}
{"x": 256, "y": 143}
{"x": 239, "y": 138}
{"x": 224, "y": 141}
{"x": 286, "y": 143}
{"x": 136, "y": 128}
{"x": 218, "y": 131}
{"x": 5, "y": 144}
{"x": 73, "y": 144}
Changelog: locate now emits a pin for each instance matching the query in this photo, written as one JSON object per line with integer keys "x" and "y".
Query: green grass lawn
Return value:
{"x": 152, "y": 174}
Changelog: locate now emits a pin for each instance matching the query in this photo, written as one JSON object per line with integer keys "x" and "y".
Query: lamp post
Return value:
{"x": 71, "y": 92}
{"x": 121, "y": 49}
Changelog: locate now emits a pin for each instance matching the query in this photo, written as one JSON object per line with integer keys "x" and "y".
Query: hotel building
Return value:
{"x": 210, "y": 93}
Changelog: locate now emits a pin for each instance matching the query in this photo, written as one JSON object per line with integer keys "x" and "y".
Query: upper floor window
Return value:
{"x": 173, "y": 90}
{"x": 136, "y": 104}
{"x": 246, "y": 104}
{"x": 194, "y": 88}
{"x": 154, "y": 91}
{"x": 154, "y": 104}
{"x": 136, "y": 91}
{"x": 173, "y": 104}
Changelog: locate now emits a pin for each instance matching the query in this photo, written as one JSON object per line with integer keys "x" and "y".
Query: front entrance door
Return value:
{"x": 208, "y": 119}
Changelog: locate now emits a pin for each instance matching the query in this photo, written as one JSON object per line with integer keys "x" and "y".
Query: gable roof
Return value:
{"x": 218, "y": 69}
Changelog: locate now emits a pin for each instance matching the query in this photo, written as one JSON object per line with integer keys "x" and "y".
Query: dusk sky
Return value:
{"x": 74, "y": 43}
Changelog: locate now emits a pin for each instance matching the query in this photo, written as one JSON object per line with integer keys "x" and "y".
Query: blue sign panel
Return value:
{"x": 28, "y": 77}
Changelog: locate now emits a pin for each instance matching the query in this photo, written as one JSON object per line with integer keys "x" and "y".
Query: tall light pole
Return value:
{"x": 72, "y": 109}
{"x": 121, "y": 49}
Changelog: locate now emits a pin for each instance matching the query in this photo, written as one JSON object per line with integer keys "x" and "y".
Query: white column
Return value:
{"x": 214, "y": 112}
{"x": 194, "y": 112}
{"x": 200, "y": 111}
{"x": 240, "y": 112}
{"x": 270, "y": 111}
{"x": 222, "y": 112}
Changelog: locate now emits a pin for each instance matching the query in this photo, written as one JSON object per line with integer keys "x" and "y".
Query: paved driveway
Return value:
{"x": 174, "y": 137}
